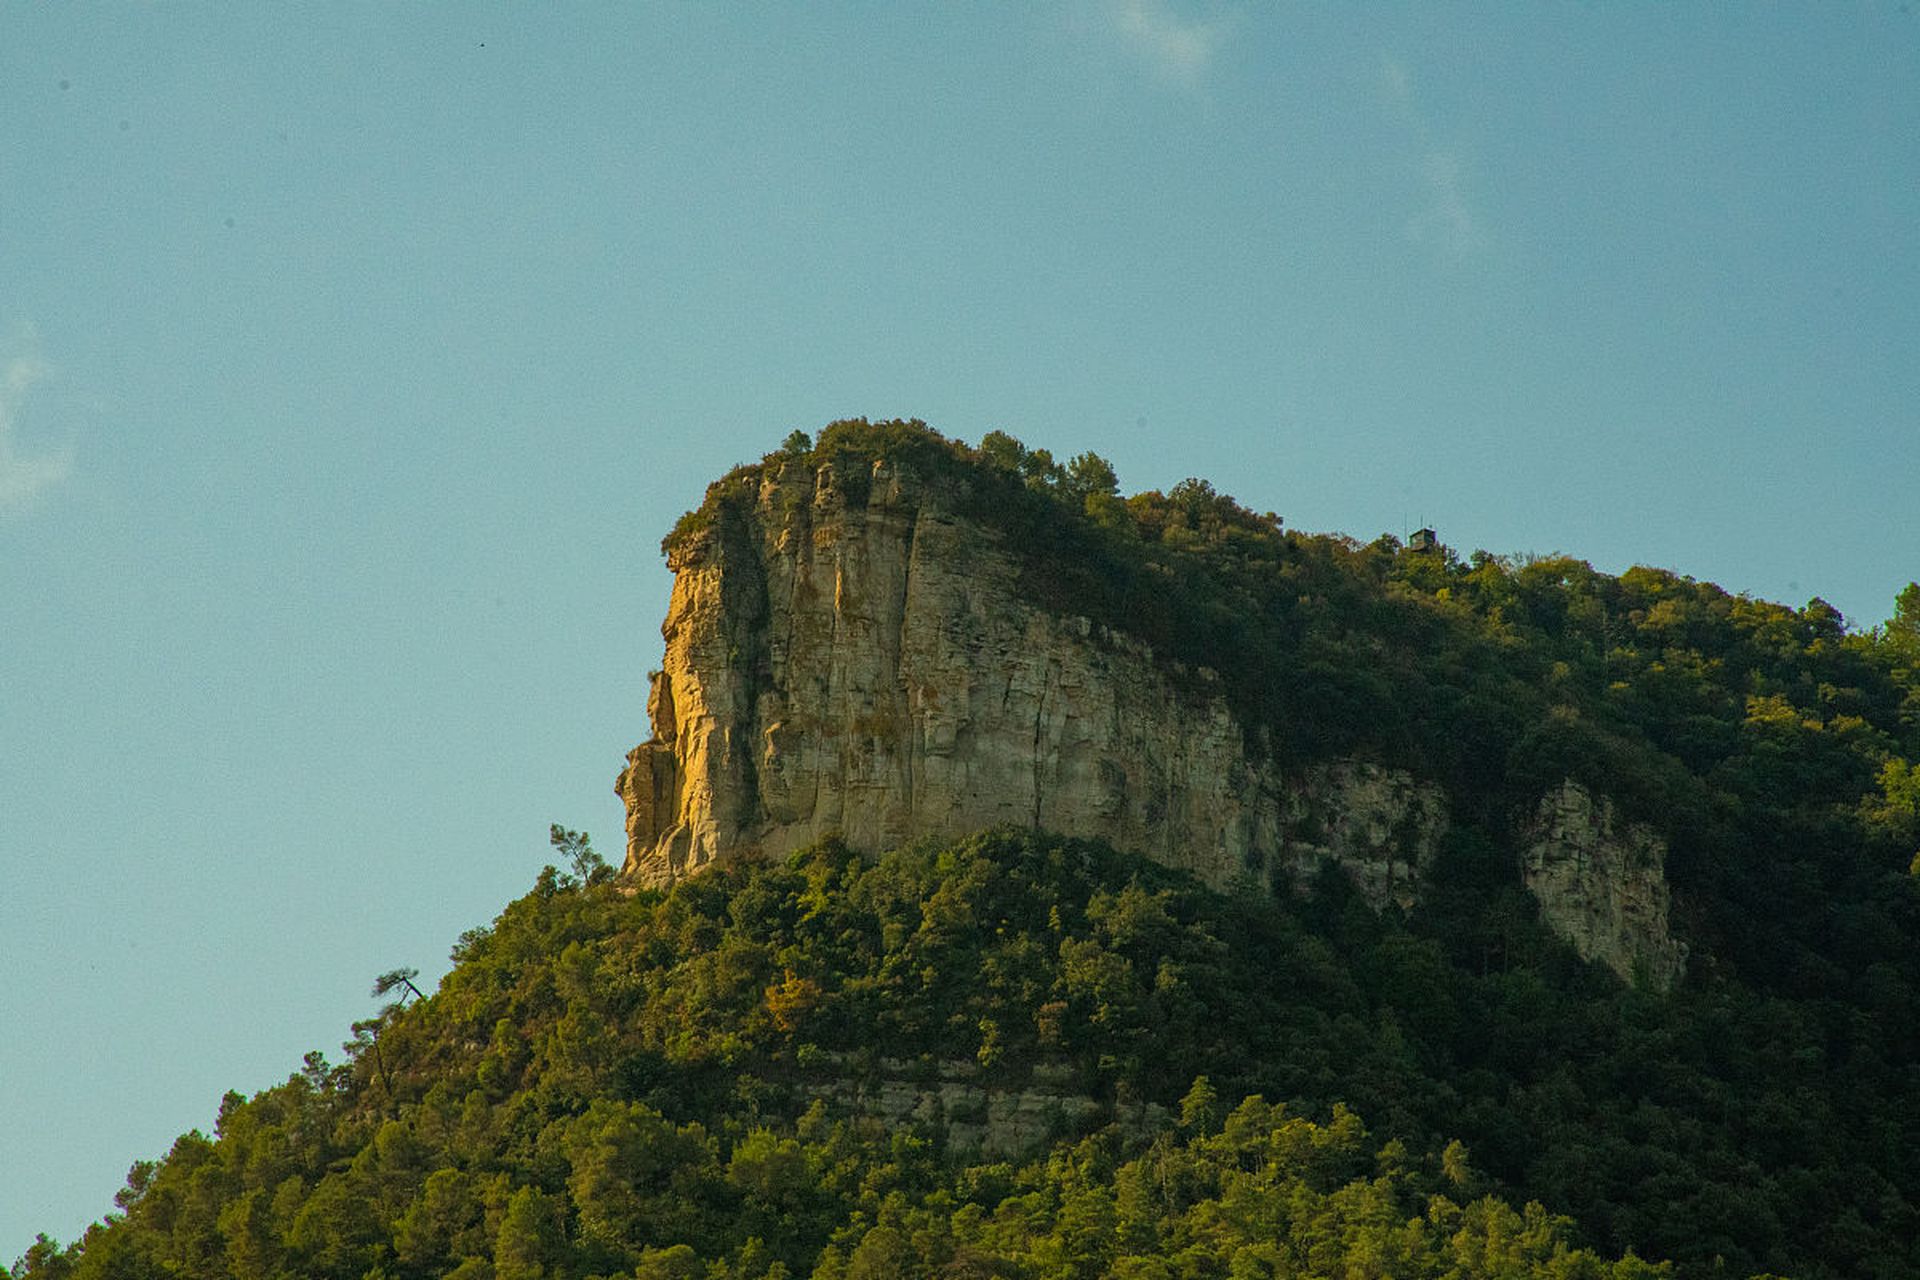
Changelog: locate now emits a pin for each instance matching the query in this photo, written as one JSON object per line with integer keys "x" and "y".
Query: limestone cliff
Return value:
{"x": 976, "y": 1115}
{"x": 1601, "y": 884}
{"x": 869, "y": 669}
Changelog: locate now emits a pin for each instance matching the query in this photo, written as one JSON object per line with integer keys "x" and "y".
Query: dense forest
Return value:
{"x": 786, "y": 1069}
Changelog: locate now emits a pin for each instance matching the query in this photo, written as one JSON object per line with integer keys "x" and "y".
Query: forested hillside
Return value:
{"x": 1774, "y": 747}
{"x": 797, "y": 1067}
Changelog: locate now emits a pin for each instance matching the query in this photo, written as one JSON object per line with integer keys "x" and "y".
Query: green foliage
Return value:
{"x": 1200, "y": 1109}
{"x": 1902, "y": 632}
{"x": 587, "y": 866}
{"x": 614, "y": 1085}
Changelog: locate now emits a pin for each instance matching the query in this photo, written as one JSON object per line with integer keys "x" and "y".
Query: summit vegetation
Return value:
{"x": 708, "y": 1080}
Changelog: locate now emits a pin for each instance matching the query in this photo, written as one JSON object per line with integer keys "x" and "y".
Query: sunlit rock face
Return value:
{"x": 1601, "y": 884}
{"x": 871, "y": 671}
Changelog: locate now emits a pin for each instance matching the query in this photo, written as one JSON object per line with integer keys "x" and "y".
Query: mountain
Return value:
{"x": 1023, "y": 880}
{"x": 856, "y": 657}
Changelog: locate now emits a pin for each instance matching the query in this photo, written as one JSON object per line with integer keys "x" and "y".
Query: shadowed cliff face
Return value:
{"x": 1601, "y": 884}
{"x": 870, "y": 671}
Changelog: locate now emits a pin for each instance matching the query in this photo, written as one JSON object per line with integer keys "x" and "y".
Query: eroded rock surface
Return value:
{"x": 1601, "y": 884}
{"x": 871, "y": 672}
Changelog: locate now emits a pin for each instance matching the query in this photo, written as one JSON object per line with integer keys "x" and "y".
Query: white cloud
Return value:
{"x": 1445, "y": 218}
{"x": 23, "y": 478}
{"x": 1446, "y": 222}
{"x": 1174, "y": 47}
{"x": 1395, "y": 80}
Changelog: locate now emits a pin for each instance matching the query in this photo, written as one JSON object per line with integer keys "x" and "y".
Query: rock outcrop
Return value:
{"x": 870, "y": 670}
{"x": 1601, "y": 884}
{"x": 978, "y": 1116}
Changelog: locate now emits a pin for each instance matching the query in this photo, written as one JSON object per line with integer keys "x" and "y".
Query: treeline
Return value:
{"x": 612, "y": 1085}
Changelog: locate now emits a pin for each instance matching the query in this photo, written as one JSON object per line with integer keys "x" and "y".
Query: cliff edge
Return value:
{"x": 852, "y": 655}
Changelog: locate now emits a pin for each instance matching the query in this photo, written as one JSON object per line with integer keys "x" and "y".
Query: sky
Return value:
{"x": 355, "y": 357}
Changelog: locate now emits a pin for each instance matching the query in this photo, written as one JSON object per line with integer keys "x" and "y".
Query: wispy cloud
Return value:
{"x": 1176, "y": 48}
{"x": 1446, "y": 220}
{"x": 1444, "y": 217}
{"x": 24, "y": 477}
{"x": 1396, "y": 82}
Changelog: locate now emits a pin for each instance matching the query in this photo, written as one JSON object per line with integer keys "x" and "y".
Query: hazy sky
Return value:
{"x": 355, "y": 357}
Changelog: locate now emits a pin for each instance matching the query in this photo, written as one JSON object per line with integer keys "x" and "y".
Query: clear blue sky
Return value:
{"x": 354, "y": 358}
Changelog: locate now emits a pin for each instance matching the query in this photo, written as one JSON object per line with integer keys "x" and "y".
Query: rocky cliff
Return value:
{"x": 1601, "y": 884}
{"x": 867, "y": 668}
{"x": 871, "y": 672}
